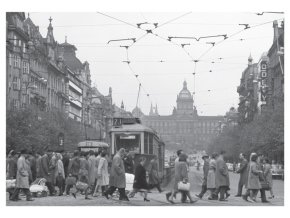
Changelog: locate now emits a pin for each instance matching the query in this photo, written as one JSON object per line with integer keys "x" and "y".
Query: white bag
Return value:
{"x": 183, "y": 186}
{"x": 11, "y": 183}
{"x": 129, "y": 181}
{"x": 38, "y": 188}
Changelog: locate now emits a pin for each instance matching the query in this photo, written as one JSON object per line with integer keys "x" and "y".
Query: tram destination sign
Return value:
{"x": 117, "y": 121}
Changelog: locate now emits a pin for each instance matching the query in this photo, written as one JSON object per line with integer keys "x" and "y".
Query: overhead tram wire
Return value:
{"x": 174, "y": 19}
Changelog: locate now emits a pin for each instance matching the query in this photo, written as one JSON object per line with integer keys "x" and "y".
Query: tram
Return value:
{"x": 130, "y": 134}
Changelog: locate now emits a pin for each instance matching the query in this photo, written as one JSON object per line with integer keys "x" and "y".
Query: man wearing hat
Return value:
{"x": 22, "y": 177}
{"x": 205, "y": 158}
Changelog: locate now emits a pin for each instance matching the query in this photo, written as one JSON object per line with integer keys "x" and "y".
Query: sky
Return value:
{"x": 161, "y": 65}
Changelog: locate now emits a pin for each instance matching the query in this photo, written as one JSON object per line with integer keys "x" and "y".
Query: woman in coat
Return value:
{"x": 153, "y": 174}
{"x": 181, "y": 175}
{"x": 140, "y": 182}
{"x": 211, "y": 186}
{"x": 253, "y": 182}
{"x": 103, "y": 174}
{"x": 268, "y": 175}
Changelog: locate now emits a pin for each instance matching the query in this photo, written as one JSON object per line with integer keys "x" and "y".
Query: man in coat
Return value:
{"x": 222, "y": 177}
{"x": 117, "y": 176}
{"x": 45, "y": 172}
{"x": 12, "y": 165}
{"x": 22, "y": 177}
{"x": 205, "y": 158}
{"x": 243, "y": 174}
{"x": 74, "y": 165}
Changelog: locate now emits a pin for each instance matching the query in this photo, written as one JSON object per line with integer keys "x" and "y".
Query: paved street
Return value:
{"x": 157, "y": 199}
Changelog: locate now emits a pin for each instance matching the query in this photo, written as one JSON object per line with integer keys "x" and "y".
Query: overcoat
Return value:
{"x": 153, "y": 172}
{"x": 59, "y": 169}
{"x": 74, "y": 166}
{"x": 268, "y": 174}
{"x": 205, "y": 172}
{"x": 52, "y": 168}
{"x": 22, "y": 176}
{"x": 140, "y": 178}
{"x": 117, "y": 175}
{"x": 43, "y": 168}
{"x": 253, "y": 178}
{"x": 84, "y": 169}
{"x": 11, "y": 168}
{"x": 221, "y": 173}
{"x": 180, "y": 173}
{"x": 103, "y": 174}
{"x": 92, "y": 169}
{"x": 211, "y": 174}
{"x": 243, "y": 171}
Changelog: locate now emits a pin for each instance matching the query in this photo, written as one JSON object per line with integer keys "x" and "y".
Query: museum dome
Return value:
{"x": 184, "y": 93}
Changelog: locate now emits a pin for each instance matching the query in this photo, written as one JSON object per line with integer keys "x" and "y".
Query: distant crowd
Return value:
{"x": 255, "y": 176}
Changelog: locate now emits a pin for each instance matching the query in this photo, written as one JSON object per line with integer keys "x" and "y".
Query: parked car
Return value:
{"x": 277, "y": 171}
{"x": 230, "y": 166}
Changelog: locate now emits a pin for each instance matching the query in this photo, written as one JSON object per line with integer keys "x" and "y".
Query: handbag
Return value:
{"x": 183, "y": 186}
{"x": 265, "y": 185}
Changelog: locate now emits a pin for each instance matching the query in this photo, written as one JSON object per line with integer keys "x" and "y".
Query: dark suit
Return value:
{"x": 204, "y": 182}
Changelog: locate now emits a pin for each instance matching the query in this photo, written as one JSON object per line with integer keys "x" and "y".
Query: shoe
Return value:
{"x": 124, "y": 199}
{"x": 167, "y": 196}
{"x": 265, "y": 201}
{"x": 73, "y": 194}
{"x": 251, "y": 200}
{"x": 145, "y": 199}
{"x": 238, "y": 195}
{"x": 198, "y": 196}
{"x": 171, "y": 201}
{"x": 29, "y": 199}
{"x": 223, "y": 200}
{"x": 212, "y": 198}
{"x": 244, "y": 198}
{"x": 12, "y": 199}
{"x": 87, "y": 198}
{"x": 192, "y": 202}
{"x": 106, "y": 195}
{"x": 227, "y": 196}
{"x": 272, "y": 197}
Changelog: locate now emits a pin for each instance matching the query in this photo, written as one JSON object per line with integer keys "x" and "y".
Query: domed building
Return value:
{"x": 184, "y": 128}
{"x": 184, "y": 102}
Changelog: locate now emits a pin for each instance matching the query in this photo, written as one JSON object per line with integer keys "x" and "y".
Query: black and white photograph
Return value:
{"x": 143, "y": 108}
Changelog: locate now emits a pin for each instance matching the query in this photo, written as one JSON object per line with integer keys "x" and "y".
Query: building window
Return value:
{"x": 264, "y": 74}
{"x": 16, "y": 83}
{"x": 264, "y": 66}
{"x": 10, "y": 59}
{"x": 14, "y": 40}
{"x": 15, "y": 103}
{"x": 25, "y": 67}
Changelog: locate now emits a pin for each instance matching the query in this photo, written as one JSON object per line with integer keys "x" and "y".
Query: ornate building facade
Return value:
{"x": 184, "y": 128}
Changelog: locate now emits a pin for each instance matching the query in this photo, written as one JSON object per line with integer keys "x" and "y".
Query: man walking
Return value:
{"x": 117, "y": 176}
{"x": 205, "y": 158}
{"x": 22, "y": 178}
{"x": 222, "y": 177}
{"x": 243, "y": 174}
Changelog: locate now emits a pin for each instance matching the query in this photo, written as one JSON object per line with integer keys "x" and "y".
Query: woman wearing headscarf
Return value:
{"x": 181, "y": 175}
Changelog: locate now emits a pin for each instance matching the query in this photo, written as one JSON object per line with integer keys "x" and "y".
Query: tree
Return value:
{"x": 37, "y": 131}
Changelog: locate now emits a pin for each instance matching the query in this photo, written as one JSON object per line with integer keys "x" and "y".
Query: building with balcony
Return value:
{"x": 248, "y": 92}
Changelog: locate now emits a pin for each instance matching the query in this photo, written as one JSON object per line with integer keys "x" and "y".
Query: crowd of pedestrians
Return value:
{"x": 255, "y": 176}
{"x": 90, "y": 174}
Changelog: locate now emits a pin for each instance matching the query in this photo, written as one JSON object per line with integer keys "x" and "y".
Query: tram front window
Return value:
{"x": 130, "y": 142}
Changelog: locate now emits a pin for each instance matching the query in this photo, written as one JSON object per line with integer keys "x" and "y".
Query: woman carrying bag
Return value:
{"x": 181, "y": 183}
